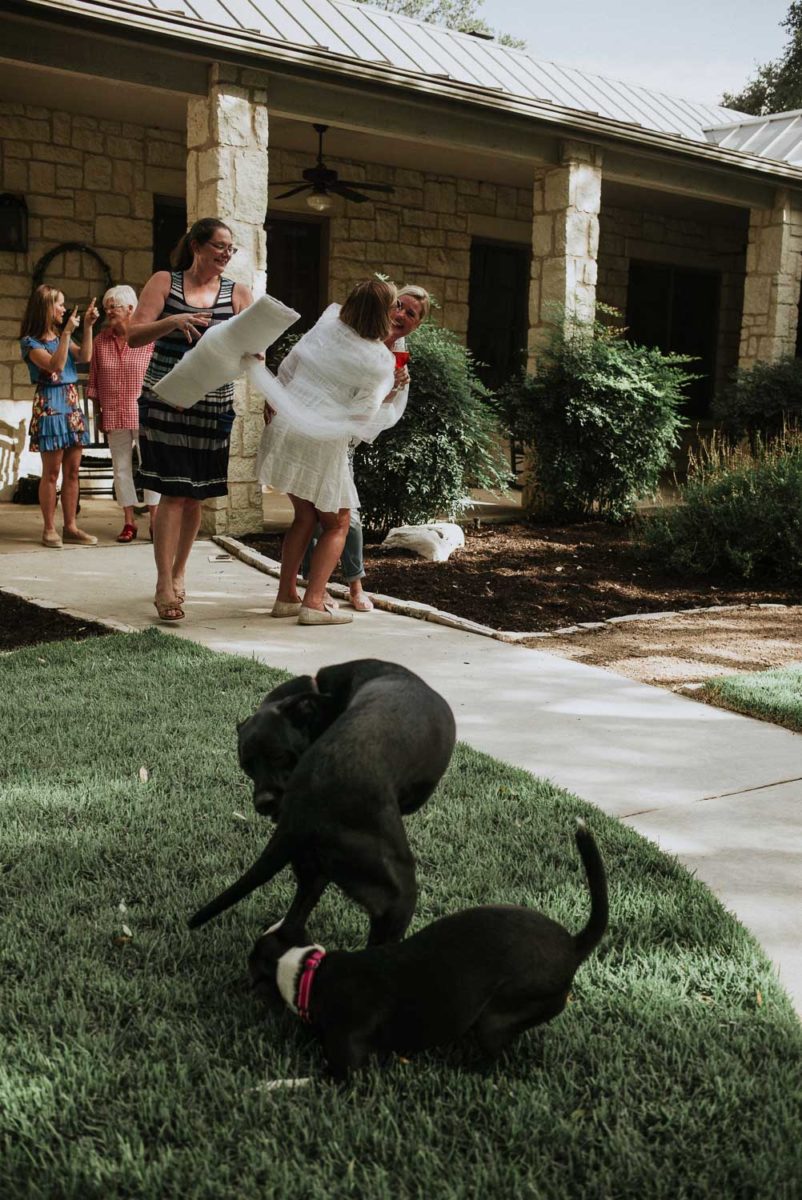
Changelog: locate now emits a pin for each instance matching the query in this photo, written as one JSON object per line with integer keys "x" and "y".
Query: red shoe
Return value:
{"x": 128, "y": 533}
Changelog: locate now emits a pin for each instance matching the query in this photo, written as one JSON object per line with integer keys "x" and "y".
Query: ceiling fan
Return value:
{"x": 323, "y": 182}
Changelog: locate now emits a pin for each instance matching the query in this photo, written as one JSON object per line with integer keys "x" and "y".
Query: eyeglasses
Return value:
{"x": 113, "y": 307}
{"x": 224, "y": 248}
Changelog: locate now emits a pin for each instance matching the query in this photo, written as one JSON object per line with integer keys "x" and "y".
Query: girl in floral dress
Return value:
{"x": 58, "y": 428}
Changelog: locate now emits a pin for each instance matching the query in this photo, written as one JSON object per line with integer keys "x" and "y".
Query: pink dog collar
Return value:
{"x": 305, "y": 981}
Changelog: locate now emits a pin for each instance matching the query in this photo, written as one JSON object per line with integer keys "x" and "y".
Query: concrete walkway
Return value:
{"x": 722, "y": 792}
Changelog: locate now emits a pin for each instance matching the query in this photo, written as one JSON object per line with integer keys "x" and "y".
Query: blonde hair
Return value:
{"x": 367, "y": 309}
{"x": 420, "y": 294}
{"x": 39, "y": 315}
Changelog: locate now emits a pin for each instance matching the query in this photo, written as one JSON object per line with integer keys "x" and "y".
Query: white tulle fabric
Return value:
{"x": 331, "y": 389}
{"x": 217, "y": 358}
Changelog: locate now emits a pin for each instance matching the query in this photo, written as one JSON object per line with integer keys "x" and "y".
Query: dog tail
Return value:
{"x": 592, "y": 934}
{"x": 276, "y": 854}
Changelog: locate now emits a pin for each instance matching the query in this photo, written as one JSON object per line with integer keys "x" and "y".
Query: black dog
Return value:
{"x": 337, "y": 761}
{"x": 497, "y": 970}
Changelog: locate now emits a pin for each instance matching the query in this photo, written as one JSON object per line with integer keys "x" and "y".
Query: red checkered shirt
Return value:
{"x": 115, "y": 379}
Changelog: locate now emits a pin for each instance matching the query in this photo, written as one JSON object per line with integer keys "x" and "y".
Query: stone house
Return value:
{"x": 516, "y": 184}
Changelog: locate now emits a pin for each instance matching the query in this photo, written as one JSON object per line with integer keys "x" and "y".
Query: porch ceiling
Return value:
{"x": 90, "y": 96}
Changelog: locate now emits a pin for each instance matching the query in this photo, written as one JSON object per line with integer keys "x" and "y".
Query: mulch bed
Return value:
{"x": 25, "y": 624}
{"x": 536, "y": 578}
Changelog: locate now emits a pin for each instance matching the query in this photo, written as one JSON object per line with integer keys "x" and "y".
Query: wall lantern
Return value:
{"x": 13, "y": 222}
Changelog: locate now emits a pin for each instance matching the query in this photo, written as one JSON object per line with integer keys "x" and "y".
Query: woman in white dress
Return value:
{"x": 338, "y": 377}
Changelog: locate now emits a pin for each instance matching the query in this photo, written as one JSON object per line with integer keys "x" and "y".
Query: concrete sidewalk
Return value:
{"x": 721, "y": 791}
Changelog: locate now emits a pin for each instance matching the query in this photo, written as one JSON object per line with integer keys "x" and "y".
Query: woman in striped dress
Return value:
{"x": 184, "y": 452}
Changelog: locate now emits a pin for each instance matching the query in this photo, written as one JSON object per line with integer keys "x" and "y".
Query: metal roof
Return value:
{"x": 778, "y": 136}
{"x": 372, "y": 35}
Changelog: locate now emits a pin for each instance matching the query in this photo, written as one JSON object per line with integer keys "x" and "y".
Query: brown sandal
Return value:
{"x": 168, "y": 610}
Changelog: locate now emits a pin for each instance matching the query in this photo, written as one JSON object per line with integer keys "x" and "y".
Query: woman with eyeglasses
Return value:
{"x": 184, "y": 452}
{"x": 115, "y": 383}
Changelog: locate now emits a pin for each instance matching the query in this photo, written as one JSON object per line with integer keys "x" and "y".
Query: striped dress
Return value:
{"x": 184, "y": 452}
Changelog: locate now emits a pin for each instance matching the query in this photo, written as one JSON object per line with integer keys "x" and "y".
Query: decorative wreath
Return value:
{"x": 44, "y": 262}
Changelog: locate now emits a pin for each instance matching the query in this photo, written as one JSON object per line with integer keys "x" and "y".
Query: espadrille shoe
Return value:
{"x": 325, "y": 616}
{"x": 286, "y": 608}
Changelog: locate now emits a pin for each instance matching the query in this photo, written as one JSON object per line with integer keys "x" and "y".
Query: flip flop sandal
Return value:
{"x": 362, "y": 603}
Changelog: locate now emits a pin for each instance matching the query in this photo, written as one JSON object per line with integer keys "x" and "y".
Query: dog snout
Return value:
{"x": 265, "y": 801}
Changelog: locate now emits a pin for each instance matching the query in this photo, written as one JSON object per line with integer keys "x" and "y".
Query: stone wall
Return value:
{"x": 84, "y": 180}
{"x": 419, "y": 234}
{"x": 629, "y": 233}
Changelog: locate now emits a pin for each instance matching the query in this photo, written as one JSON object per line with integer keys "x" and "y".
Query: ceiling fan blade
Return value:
{"x": 284, "y": 182}
{"x": 367, "y": 187}
{"x": 341, "y": 190}
{"x": 293, "y": 192}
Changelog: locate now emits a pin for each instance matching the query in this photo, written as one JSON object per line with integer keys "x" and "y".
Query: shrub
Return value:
{"x": 740, "y": 514}
{"x": 446, "y": 442}
{"x": 601, "y": 416}
{"x": 761, "y": 400}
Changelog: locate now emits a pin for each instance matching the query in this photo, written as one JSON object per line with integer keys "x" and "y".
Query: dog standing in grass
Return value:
{"x": 497, "y": 970}
{"x": 338, "y": 761}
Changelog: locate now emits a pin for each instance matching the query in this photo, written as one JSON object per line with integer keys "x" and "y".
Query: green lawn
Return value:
{"x": 137, "y": 1067}
{"x": 774, "y": 695}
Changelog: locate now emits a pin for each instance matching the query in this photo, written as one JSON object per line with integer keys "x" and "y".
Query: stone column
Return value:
{"x": 227, "y": 178}
{"x": 771, "y": 287}
{"x": 565, "y": 241}
{"x": 565, "y": 245}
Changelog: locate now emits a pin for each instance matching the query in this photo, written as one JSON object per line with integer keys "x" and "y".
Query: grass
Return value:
{"x": 136, "y": 1068}
{"x": 774, "y": 695}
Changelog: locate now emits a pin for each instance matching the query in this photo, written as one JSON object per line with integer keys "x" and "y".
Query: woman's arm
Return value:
{"x": 147, "y": 324}
{"x": 91, "y": 386}
{"x": 241, "y": 297}
{"x": 53, "y": 364}
{"x": 90, "y": 316}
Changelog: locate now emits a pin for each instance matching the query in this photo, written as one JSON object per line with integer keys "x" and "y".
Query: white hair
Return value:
{"x": 121, "y": 294}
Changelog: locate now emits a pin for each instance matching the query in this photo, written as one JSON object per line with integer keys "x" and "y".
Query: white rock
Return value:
{"x": 434, "y": 542}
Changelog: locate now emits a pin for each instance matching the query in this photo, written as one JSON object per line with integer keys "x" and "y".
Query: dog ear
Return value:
{"x": 309, "y": 711}
{"x": 298, "y": 686}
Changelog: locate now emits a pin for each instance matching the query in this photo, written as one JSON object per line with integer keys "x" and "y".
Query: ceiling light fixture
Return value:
{"x": 319, "y": 201}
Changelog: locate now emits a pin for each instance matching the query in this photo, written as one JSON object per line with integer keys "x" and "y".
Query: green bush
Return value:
{"x": 740, "y": 515}
{"x": 601, "y": 417}
{"x": 761, "y": 400}
{"x": 446, "y": 442}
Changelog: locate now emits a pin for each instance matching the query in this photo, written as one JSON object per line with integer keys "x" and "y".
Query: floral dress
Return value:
{"x": 58, "y": 421}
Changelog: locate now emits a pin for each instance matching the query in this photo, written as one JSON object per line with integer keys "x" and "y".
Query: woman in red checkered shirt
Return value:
{"x": 115, "y": 381}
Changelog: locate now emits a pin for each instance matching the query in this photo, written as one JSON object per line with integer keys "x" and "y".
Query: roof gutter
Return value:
{"x": 172, "y": 28}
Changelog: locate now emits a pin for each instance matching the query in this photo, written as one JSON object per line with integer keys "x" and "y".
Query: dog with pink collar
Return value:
{"x": 493, "y": 971}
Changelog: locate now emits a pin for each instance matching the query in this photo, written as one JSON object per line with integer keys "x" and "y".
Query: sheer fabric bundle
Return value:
{"x": 217, "y": 357}
{"x": 332, "y": 385}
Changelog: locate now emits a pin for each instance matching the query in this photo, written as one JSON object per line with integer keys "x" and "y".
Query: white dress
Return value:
{"x": 336, "y": 379}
